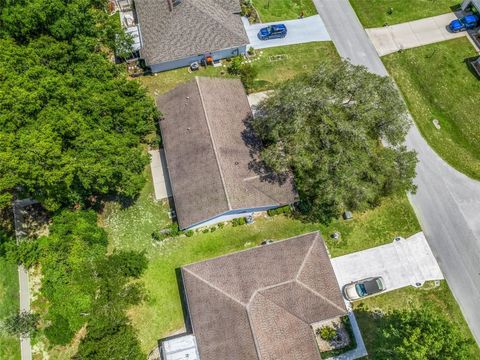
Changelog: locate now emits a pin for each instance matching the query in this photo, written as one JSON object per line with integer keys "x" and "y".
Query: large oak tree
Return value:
{"x": 340, "y": 130}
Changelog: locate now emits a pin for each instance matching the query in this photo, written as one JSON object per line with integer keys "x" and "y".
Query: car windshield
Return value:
{"x": 464, "y": 21}
{"x": 269, "y": 29}
{"x": 361, "y": 290}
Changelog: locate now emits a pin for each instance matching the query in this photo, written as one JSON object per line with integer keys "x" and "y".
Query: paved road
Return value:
{"x": 404, "y": 262}
{"x": 447, "y": 202}
{"x": 390, "y": 39}
{"x": 299, "y": 31}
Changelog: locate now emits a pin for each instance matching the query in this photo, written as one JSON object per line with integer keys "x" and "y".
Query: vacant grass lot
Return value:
{"x": 161, "y": 314}
{"x": 278, "y": 10}
{"x": 376, "y": 13}
{"x": 438, "y": 299}
{"x": 9, "y": 345}
{"x": 274, "y": 65}
{"x": 437, "y": 84}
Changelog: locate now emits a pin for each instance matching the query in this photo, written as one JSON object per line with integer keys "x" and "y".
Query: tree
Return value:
{"x": 21, "y": 324}
{"x": 329, "y": 127}
{"x": 421, "y": 334}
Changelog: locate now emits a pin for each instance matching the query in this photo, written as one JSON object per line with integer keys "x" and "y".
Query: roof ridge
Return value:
{"x": 306, "y": 257}
{"x": 215, "y": 287}
{"x": 214, "y": 146}
{"x": 318, "y": 294}
{"x": 283, "y": 307}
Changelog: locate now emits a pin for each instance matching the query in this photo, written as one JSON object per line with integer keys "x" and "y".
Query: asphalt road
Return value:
{"x": 447, "y": 202}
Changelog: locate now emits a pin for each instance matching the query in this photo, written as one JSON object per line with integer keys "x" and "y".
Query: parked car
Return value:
{"x": 464, "y": 23}
{"x": 272, "y": 32}
{"x": 363, "y": 288}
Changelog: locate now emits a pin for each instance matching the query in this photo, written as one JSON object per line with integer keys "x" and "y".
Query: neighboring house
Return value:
{"x": 176, "y": 33}
{"x": 212, "y": 155}
{"x": 473, "y": 3}
{"x": 260, "y": 303}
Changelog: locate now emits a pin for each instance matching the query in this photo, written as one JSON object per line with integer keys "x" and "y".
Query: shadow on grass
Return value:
{"x": 468, "y": 62}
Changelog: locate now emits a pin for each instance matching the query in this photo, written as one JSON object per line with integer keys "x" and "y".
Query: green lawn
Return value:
{"x": 278, "y": 10}
{"x": 437, "y": 84}
{"x": 274, "y": 65}
{"x": 439, "y": 299}
{"x": 161, "y": 314}
{"x": 375, "y": 13}
{"x": 9, "y": 303}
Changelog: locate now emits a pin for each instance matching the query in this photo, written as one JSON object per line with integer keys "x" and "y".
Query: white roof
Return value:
{"x": 180, "y": 348}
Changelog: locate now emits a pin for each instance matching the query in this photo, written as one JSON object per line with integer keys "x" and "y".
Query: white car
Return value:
{"x": 363, "y": 288}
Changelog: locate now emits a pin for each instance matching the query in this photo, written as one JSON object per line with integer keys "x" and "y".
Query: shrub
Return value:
{"x": 189, "y": 233}
{"x": 213, "y": 228}
{"x": 248, "y": 73}
{"x": 280, "y": 210}
{"x": 239, "y": 221}
{"x": 251, "y": 51}
{"x": 221, "y": 225}
{"x": 235, "y": 65}
{"x": 205, "y": 231}
{"x": 59, "y": 332}
{"x": 327, "y": 333}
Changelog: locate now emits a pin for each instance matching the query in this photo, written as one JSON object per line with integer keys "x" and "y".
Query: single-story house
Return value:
{"x": 471, "y": 3}
{"x": 176, "y": 33}
{"x": 212, "y": 155}
{"x": 261, "y": 303}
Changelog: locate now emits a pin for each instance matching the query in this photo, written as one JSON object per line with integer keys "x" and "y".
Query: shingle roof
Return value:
{"x": 259, "y": 303}
{"x": 193, "y": 27}
{"x": 210, "y": 152}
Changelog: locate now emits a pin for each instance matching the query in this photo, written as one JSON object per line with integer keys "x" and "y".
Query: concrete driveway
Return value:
{"x": 299, "y": 31}
{"x": 402, "y": 263}
{"x": 389, "y": 39}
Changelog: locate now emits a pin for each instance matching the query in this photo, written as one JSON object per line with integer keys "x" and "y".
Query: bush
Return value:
{"x": 205, "y": 231}
{"x": 235, "y": 65}
{"x": 239, "y": 221}
{"x": 248, "y": 73}
{"x": 213, "y": 228}
{"x": 59, "y": 332}
{"x": 327, "y": 333}
{"x": 280, "y": 210}
{"x": 189, "y": 233}
{"x": 221, "y": 225}
{"x": 251, "y": 51}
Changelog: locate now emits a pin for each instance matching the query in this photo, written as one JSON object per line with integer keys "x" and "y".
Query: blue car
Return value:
{"x": 272, "y": 32}
{"x": 465, "y": 23}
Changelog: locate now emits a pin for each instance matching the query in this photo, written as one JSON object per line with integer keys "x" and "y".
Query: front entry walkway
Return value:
{"x": 390, "y": 39}
{"x": 401, "y": 263}
{"x": 299, "y": 31}
{"x": 161, "y": 180}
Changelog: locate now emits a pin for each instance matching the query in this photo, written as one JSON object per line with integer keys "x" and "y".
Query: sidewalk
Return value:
{"x": 24, "y": 291}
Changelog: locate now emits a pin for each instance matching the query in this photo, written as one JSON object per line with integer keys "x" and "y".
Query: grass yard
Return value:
{"x": 161, "y": 314}
{"x": 375, "y": 13}
{"x": 9, "y": 303}
{"x": 274, "y": 65}
{"x": 278, "y": 10}
{"x": 439, "y": 299}
{"x": 437, "y": 84}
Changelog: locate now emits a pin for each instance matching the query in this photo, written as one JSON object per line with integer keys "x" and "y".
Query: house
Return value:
{"x": 176, "y": 33}
{"x": 260, "y": 303}
{"x": 211, "y": 155}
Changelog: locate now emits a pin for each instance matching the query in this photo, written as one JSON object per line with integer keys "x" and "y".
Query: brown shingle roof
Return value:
{"x": 193, "y": 27}
{"x": 210, "y": 152}
{"x": 259, "y": 303}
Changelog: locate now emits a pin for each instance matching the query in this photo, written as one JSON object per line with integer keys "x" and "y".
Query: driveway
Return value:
{"x": 447, "y": 202}
{"x": 299, "y": 31}
{"x": 412, "y": 34}
{"x": 401, "y": 263}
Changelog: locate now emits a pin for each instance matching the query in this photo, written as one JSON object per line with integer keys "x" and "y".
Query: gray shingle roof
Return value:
{"x": 193, "y": 27}
{"x": 260, "y": 303}
{"x": 210, "y": 152}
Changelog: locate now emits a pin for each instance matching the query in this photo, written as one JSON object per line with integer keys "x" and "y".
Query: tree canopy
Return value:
{"x": 329, "y": 127}
{"x": 71, "y": 124}
{"x": 423, "y": 335}
{"x": 83, "y": 285}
